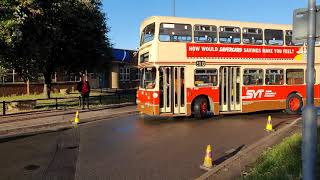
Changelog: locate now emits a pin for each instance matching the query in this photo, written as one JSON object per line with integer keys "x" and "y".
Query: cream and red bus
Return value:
{"x": 201, "y": 67}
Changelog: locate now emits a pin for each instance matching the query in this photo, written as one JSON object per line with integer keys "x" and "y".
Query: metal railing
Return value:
{"x": 114, "y": 97}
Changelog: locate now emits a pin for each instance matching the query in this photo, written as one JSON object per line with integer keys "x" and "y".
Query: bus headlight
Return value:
{"x": 155, "y": 95}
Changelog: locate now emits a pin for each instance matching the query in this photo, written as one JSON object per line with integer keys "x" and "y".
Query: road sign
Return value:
{"x": 300, "y": 25}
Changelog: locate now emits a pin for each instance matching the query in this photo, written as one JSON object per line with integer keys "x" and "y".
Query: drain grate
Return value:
{"x": 31, "y": 167}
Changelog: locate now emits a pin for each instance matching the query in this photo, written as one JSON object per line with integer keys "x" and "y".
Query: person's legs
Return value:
{"x": 82, "y": 101}
{"x": 87, "y": 100}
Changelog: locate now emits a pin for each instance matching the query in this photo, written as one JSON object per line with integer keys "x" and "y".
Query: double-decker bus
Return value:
{"x": 204, "y": 67}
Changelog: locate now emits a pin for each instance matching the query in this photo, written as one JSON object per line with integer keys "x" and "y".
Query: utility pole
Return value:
{"x": 309, "y": 114}
{"x": 174, "y": 7}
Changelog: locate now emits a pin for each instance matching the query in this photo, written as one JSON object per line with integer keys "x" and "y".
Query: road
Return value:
{"x": 133, "y": 147}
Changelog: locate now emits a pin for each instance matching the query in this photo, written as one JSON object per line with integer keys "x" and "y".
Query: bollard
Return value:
{"x": 100, "y": 99}
{"x": 56, "y": 103}
{"x": 119, "y": 98}
{"x": 4, "y": 107}
{"x": 80, "y": 101}
{"x": 88, "y": 103}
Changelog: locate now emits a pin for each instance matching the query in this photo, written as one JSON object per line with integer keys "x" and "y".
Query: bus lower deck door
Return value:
{"x": 230, "y": 89}
{"x": 172, "y": 90}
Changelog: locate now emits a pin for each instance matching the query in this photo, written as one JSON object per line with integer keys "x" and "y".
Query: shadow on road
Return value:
{"x": 228, "y": 155}
{"x": 157, "y": 120}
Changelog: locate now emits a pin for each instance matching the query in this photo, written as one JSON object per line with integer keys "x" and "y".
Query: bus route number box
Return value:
{"x": 200, "y": 63}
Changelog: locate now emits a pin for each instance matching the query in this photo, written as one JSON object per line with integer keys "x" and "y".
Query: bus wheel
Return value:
{"x": 200, "y": 107}
{"x": 294, "y": 104}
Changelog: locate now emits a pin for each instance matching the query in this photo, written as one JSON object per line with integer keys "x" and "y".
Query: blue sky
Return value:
{"x": 125, "y": 16}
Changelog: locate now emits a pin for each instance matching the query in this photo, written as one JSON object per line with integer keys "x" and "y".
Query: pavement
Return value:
{"x": 46, "y": 121}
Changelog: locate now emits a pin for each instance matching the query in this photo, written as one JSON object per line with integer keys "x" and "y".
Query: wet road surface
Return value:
{"x": 40, "y": 157}
{"x": 144, "y": 147}
{"x": 132, "y": 147}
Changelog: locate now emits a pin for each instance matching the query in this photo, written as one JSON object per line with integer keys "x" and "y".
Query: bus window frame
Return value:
{"x": 216, "y": 33}
{"x": 283, "y": 78}
{"x": 247, "y": 28}
{"x": 170, "y": 36}
{"x": 243, "y": 78}
{"x": 206, "y": 84}
{"x": 304, "y": 76}
{"x": 240, "y": 34}
{"x": 143, "y": 34}
{"x": 143, "y": 84}
{"x": 267, "y": 43}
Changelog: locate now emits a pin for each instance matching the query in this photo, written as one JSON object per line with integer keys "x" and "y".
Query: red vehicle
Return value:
{"x": 202, "y": 67}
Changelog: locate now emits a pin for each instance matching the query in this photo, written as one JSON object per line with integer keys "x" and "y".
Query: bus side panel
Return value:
{"x": 259, "y": 98}
{"x": 148, "y": 102}
{"x": 317, "y": 94}
{"x": 211, "y": 92}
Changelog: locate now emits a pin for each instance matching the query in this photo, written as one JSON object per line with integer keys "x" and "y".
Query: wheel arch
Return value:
{"x": 209, "y": 99}
{"x": 294, "y": 92}
{"x": 288, "y": 107}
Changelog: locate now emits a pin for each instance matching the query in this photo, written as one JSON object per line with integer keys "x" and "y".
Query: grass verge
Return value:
{"x": 283, "y": 161}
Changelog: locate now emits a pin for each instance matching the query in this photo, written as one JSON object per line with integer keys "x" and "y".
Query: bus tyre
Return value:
{"x": 294, "y": 104}
{"x": 200, "y": 108}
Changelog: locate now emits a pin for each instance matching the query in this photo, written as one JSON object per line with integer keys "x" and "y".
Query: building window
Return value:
{"x": 295, "y": 76}
{"x": 205, "y": 77}
{"x": 252, "y": 77}
{"x": 124, "y": 73}
{"x": 274, "y": 77}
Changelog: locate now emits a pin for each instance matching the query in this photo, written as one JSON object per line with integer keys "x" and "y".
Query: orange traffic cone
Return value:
{"x": 269, "y": 124}
{"x": 207, "y": 163}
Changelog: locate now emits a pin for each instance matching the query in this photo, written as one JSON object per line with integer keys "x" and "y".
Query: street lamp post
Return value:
{"x": 174, "y": 7}
{"x": 309, "y": 114}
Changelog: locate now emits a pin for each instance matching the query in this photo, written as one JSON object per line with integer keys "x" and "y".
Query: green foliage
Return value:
{"x": 283, "y": 161}
{"x": 39, "y": 36}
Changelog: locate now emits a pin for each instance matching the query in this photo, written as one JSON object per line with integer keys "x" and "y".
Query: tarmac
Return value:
{"x": 40, "y": 122}
{"x": 24, "y": 124}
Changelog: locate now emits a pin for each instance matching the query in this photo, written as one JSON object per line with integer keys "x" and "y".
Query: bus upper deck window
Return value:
{"x": 148, "y": 33}
{"x": 205, "y": 33}
{"x": 252, "y": 36}
{"x": 231, "y": 35}
{"x": 273, "y": 37}
{"x": 170, "y": 32}
{"x": 288, "y": 39}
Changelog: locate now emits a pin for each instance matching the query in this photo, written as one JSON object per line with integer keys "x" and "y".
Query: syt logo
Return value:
{"x": 250, "y": 94}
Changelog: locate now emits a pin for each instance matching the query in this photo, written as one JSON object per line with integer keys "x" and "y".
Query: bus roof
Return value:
{"x": 173, "y": 19}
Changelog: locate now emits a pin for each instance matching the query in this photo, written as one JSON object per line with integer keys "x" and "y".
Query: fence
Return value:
{"x": 24, "y": 106}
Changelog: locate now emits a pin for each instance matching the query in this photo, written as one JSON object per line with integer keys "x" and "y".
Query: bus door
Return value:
{"x": 230, "y": 89}
{"x": 172, "y": 90}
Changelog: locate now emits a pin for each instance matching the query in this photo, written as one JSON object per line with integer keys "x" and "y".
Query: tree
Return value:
{"x": 39, "y": 36}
